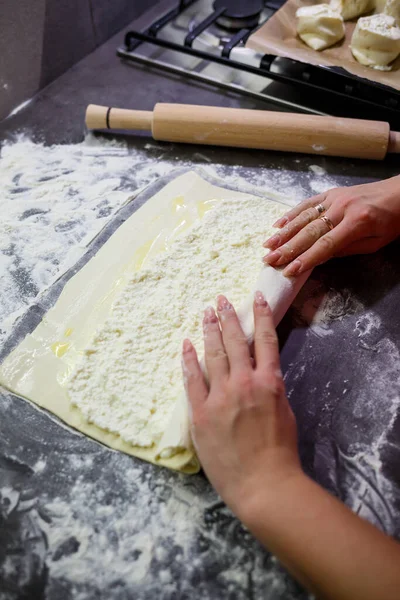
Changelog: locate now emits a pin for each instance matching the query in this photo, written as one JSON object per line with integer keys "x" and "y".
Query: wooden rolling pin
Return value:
{"x": 289, "y": 132}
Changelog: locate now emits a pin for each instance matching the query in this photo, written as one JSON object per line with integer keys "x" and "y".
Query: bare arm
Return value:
{"x": 331, "y": 551}
{"x": 245, "y": 435}
{"x": 355, "y": 220}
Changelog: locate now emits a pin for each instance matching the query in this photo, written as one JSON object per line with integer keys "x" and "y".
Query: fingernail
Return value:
{"x": 223, "y": 304}
{"x": 273, "y": 242}
{"x": 187, "y": 346}
{"x": 281, "y": 222}
{"x": 209, "y": 316}
{"x": 293, "y": 269}
{"x": 273, "y": 257}
{"x": 259, "y": 299}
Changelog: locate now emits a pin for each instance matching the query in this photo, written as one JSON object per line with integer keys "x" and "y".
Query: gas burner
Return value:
{"x": 239, "y": 14}
{"x": 207, "y": 40}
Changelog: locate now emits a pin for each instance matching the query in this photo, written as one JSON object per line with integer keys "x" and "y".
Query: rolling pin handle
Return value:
{"x": 105, "y": 117}
{"x": 394, "y": 142}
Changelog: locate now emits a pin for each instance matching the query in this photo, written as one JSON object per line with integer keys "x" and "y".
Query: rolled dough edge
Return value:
{"x": 279, "y": 291}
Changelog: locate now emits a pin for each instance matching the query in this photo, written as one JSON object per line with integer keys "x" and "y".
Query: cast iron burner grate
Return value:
{"x": 205, "y": 39}
{"x": 239, "y": 14}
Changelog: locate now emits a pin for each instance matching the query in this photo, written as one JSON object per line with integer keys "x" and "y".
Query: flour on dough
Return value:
{"x": 350, "y": 9}
{"x": 392, "y": 9}
{"x": 376, "y": 41}
{"x": 129, "y": 378}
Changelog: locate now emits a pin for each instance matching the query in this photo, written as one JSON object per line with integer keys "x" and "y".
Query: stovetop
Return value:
{"x": 205, "y": 39}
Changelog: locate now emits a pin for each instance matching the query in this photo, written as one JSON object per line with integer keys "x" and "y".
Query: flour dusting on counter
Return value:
{"x": 354, "y": 429}
{"x": 55, "y": 199}
{"x": 107, "y": 544}
{"x": 92, "y": 523}
{"x": 111, "y": 527}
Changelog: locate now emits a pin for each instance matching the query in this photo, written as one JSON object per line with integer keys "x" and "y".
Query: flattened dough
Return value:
{"x": 39, "y": 367}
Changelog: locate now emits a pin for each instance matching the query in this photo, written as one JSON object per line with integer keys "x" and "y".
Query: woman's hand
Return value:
{"x": 245, "y": 436}
{"x": 242, "y": 426}
{"x": 340, "y": 222}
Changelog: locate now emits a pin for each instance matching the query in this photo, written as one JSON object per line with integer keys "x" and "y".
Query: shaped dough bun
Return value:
{"x": 350, "y": 9}
{"x": 380, "y": 6}
{"x": 319, "y": 26}
{"x": 376, "y": 41}
{"x": 392, "y": 9}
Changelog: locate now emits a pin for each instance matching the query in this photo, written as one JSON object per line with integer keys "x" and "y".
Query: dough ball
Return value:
{"x": 350, "y": 9}
{"x": 392, "y": 9}
{"x": 376, "y": 41}
{"x": 380, "y": 6}
{"x": 319, "y": 26}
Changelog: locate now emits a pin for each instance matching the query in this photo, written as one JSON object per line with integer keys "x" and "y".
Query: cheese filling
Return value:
{"x": 129, "y": 377}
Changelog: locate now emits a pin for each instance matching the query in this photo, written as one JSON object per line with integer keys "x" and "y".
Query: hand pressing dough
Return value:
{"x": 279, "y": 292}
{"x": 376, "y": 41}
{"x": 350, "y": 9}
{"x": 319, "y": 26}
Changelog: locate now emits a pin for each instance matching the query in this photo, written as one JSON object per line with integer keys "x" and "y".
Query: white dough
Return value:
{"x": 129, "y": 377}
{"x": 279, "y": 292}
{"x": 379, "y": 5}
{"x": 350, "y": 9}
{"x": 124, "y": 315}
{"x": 376, "y": 41}
{"x": 392, "y": 9}
{"x": 319, "y": 26}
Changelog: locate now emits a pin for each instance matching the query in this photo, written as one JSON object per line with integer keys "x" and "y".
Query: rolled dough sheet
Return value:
{"x": 38, "y": 368}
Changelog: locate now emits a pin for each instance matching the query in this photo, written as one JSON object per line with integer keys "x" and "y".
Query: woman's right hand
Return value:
{"x": 242, "y": 425}
{"x": 245, "y": 436}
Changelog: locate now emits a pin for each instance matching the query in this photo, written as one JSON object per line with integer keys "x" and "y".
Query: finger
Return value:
{"x": 292, "y": 228}
{"x": 195, "y": 384}
{"x": 302, "y": 241}
{"x": 215, "y": 355}
{"x": 294, "y": 212}
{"x": 325, "y": 248}
{"x": 266, "y": 347}
{"x": 365, "y": 246}
{"x": 235, "y": 341}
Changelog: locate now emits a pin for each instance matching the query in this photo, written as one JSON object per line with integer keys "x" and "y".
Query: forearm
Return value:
{"x": 330, "y": 550}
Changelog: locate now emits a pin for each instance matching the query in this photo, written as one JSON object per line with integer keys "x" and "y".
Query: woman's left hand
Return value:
{"x": 343, "y": 221}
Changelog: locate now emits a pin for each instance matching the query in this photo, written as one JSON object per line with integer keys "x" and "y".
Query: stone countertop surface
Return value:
{"x": 79, "y": 521}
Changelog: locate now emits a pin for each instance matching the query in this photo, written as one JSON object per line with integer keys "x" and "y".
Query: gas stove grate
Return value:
{"x": 340, "y": 92}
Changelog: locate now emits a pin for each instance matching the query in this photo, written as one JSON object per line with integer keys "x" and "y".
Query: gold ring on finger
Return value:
{"x": 327, "y": 222}
{"x": 320, "y": 208}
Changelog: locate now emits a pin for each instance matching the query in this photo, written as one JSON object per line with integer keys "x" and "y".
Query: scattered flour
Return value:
{"x": 40, "y": 466}
{"x": 55, "y": 199}
{"x": 320, "y": 185}
{"x": 361, "y": 422}
{"x": 317, "y": 170}
{"x": 174, "y": 536}
{"x": 97, "y": 541}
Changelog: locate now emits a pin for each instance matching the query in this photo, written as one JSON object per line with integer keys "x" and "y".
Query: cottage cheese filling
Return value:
{"x": 129, "y": 377}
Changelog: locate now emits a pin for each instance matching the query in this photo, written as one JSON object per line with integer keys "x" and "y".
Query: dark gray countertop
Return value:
{"x": 79, "y": 521}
